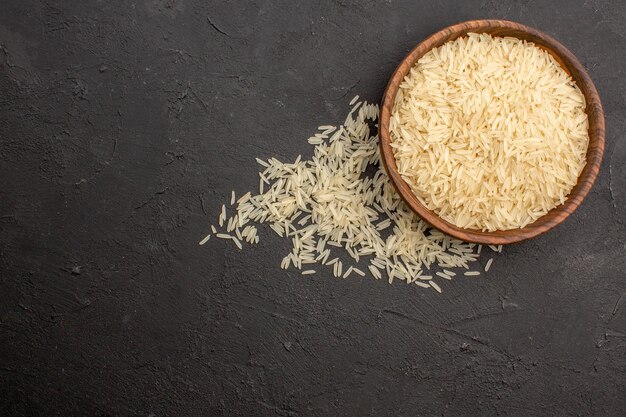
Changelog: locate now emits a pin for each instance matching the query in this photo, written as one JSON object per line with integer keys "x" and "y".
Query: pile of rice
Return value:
{"x": 342, "y": 201}
{"x": 490, "y": 133}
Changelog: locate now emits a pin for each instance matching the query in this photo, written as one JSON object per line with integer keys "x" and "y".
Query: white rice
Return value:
{"x": 374, "y": 271}
{"x": 442, "y": 275}
{"x": 490, "y": 133}
{"x": 488, "y": 264}
{"x": 348, "y": 272}
{"x": 358, "y": 271}
{"x": 328, "y": 202}
{"x": 435, "y": 286}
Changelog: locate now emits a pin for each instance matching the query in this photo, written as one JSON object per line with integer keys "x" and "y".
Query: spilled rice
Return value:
{"x": 341, "y": 202}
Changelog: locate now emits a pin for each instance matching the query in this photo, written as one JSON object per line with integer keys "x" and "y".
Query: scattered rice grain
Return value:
{"x": 488, "y": 264}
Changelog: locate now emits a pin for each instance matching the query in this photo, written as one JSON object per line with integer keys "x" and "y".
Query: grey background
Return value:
{"x": 123, "y": 127}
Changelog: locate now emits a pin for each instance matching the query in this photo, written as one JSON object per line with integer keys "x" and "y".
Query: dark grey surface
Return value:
{"x": 124, "y": 126}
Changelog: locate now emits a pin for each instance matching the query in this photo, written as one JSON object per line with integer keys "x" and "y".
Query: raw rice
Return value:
{"x": 330, "y": 202}
{"x": 442, "y": 275}
{"x": 205, "y": 240}
{"x": 358, "y": 271}
{"x": 348, "y": 272}
{"x": 488, "y": 264}
{"x": 489, "y": 132}
{"x": 374, "y": 271}
{"x": 435, "y": 286}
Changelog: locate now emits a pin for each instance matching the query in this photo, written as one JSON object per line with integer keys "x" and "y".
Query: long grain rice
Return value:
{"x": 330, "y": 202}
{"x": 488, "y": 264}
{"x": 490, "y": 133}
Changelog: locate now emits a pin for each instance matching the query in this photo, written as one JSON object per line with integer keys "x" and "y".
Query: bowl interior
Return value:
{"x": 593, "y": 108}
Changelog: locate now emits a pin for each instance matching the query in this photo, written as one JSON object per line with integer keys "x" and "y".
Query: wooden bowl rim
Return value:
{"x": 593, "y": 109}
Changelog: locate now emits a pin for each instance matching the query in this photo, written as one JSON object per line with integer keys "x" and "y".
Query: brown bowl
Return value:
{"x": 594, "y": 112}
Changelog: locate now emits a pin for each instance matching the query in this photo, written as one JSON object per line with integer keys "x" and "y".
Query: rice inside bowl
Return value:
{"x": 490, "y": 133}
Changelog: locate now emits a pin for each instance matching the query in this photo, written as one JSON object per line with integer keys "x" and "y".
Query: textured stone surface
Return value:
{"x": 124, "y": 126}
